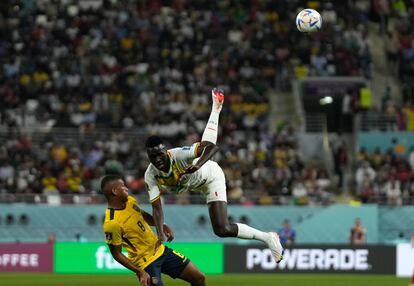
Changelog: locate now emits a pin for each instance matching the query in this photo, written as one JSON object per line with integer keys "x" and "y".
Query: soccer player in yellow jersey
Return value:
{"x": 189, "y": 169}
{"x": 127, "y": 225}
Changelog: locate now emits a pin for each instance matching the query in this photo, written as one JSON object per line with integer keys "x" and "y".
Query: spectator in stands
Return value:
{"x": 287, "y": 235}
{"x": 393, "y": 192}
{"x": 299, "y": 193}
{"x": 365, "y": 174}
{"x": 51, "y": 238}
{"x": 346, "y": 108}
{"x": 382, "y": 8}
{"x": 392, "y": 49}
{"x": 357, "y": 233}
{"x": 80, "y": 238}
{"x": 411, "y": 158}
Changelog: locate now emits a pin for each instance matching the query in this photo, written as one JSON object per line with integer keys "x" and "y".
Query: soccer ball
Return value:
{"x": 308, "y": 20}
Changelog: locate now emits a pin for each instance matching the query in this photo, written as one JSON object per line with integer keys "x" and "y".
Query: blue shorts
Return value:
{"x": 171, "y": 262}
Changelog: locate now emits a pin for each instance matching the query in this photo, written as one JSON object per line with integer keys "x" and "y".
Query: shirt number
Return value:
{"x": 141, "y": 226}
{"x": 178, "y": 254}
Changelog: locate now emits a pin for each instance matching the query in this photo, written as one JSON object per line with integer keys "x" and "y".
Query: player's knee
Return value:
{"x": 200, "y": 280}
{"x": 222, "y": 231}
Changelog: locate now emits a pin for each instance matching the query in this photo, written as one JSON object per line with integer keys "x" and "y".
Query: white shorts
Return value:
{"x": 215, "y": 186}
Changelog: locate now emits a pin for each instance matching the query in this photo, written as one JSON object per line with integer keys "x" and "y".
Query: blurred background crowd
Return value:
{"x": 143, "y": 67}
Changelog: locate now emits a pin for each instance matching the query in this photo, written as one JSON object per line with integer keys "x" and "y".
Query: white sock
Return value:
{"x": 247, "y": 232}
{"x": 211, "y": 130}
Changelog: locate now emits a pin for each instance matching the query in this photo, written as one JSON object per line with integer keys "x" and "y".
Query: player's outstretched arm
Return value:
{"x": 158, "y": 218}
{"x": 167, "y": 230}
{"x": 116, "y": 252}
{"x": 205, "y": 151}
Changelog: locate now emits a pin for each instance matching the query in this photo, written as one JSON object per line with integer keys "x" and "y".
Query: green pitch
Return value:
{"x": 20, "y": 279}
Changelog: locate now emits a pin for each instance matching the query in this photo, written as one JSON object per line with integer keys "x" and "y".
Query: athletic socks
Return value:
{"x": 247, "y": 232}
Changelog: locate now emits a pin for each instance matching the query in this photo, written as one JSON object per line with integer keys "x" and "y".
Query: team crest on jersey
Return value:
{"x": 108, "y": 235}
{"x": 154, "y": 280}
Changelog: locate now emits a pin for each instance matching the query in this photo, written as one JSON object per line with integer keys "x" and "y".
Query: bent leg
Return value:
{"x": 219, "y": 220}
{"x": 192, "y": 275}
{"x": 217, "y": 208}
{"x": 222, "y": 227}
{"x": 176, "y": 265}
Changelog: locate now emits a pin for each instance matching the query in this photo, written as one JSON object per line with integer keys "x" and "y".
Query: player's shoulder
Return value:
{"x": 133, "y": 203}
{"x": 150, "y": 170}
{"x": 183, "y": 149}
{"x": 110, "y": 222}
{"x": 132, "y": 200}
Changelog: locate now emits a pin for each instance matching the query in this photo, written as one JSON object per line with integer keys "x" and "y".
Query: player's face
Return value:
{"x": 122, "y": 190}
{"x": 159, "y": 158}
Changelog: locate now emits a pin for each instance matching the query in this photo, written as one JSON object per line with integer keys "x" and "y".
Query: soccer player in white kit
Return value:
{"x": 189, "y": 169}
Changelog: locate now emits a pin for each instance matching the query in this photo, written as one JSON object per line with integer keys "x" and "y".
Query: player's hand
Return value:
{"x": 189, "y": 170}
{"x": 144, "y": 278}
{"x": 159, "y": 242}
{"x": 168, "y": 233}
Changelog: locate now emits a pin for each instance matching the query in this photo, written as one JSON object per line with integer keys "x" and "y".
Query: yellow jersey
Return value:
{"x": 127, "y": 227}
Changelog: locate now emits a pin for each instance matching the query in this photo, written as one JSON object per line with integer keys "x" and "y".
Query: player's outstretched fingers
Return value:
{"x": 192, "y": 275}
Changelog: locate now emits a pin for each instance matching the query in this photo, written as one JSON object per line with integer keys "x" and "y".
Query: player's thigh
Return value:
{"x": 174, "y": 263}
{"x": 154, "y": 270}
{"x": 192, "y": 275}
{"x": 216, "y": 188}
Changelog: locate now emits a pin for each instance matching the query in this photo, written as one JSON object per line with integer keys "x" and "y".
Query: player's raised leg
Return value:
{"x": 211, "y": 130}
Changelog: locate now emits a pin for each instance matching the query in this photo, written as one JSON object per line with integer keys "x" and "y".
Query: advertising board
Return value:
{"x": 28, "y": 257}
{"x": 312, "y": 259}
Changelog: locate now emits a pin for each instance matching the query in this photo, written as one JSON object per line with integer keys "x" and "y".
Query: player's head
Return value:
{"x": 157, "y": 153}
{"x": 114, "y": 188}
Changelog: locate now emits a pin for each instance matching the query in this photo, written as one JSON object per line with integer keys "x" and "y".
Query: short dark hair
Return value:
{"x": 109, "y": 178}
{"x": 153, "y": 141}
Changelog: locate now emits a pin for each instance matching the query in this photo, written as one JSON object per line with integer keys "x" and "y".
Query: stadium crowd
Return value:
{"x": 149, "y": 66}
{"x": 385, "y": 177}
{"x": 396, "y": 22}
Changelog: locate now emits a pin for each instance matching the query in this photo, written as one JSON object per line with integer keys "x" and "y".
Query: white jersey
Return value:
{"x": 180, "y": 159}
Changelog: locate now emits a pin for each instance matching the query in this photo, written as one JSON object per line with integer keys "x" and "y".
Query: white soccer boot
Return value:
{"x": 275, "y": 246}
{"x": 218, "y": 98}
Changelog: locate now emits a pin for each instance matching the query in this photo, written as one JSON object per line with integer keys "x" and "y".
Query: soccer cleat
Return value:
{"x": 275, "y": 246}
{"x": 218, "y": 98}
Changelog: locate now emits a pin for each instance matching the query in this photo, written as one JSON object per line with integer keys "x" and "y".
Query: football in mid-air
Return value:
{"x": 308, "y": 20}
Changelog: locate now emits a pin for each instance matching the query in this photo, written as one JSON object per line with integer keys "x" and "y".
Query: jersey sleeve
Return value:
{"x": 151, "y": 183}
{"x": 113, "y": 233}
{"x": 185, "y": 152}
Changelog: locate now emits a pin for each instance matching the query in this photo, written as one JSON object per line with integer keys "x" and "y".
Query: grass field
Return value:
{"x": 20, "y": 279}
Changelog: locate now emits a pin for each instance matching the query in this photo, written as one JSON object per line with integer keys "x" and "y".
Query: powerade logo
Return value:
{"x": 310, "y": 259}
{"x": 104, "y": 259}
